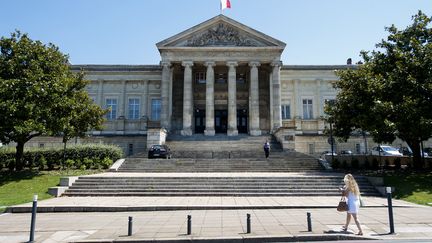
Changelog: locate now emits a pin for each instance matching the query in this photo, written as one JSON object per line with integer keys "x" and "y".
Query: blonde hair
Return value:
{"x": 351, "y": 184}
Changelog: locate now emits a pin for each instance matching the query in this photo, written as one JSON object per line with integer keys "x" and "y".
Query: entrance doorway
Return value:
{"x": 199, "y": 121}
{"x": 221, "y": 121}
{"x": 242, "y": 121}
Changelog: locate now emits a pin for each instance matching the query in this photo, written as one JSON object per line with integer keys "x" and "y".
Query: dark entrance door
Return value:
{"x": 199, "y": 121}
{"x": 221, "y": 121}
{"x": 242, "y": 121}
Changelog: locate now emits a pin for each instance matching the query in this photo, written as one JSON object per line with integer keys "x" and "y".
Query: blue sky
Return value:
{"x": 317, "y": 32}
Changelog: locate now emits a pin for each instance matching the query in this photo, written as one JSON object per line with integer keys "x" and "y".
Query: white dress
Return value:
{"x": 353, "y": 202}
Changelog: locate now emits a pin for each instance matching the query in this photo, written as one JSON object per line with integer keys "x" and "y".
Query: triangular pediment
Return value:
{"x": 220, "y": 31}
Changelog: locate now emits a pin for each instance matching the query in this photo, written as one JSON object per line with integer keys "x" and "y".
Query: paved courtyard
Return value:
{"x": 169, "y": 221}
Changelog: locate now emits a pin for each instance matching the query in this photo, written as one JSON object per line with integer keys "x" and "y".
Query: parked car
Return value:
{"x": 327, "y": 153}
{"x": 428, "y": 151}
{"x": 408, "y": 152}
{"x": 385, "y": 150}
{"x": 346, "y": 152}
{"x": 159, "y": 151}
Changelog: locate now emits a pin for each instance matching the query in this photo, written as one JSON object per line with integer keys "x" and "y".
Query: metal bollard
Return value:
{"x": 309, "y": 221}
{"x": 33, "y": 219}
{"x": 130, "y": 224}
{"x": 390, "y": 209}
{"x": 248, "y": 224}
{"x": 189, "y": 224}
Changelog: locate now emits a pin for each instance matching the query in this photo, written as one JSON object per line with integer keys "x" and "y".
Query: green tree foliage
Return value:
{"x": 390, "y": 95}
{"x": 39, "y": 95}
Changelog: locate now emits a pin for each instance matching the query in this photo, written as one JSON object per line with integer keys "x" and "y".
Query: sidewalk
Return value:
{"x": 411, "y": 221}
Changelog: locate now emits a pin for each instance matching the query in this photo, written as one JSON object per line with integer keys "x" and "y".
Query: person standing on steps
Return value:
{"x": 267, "y": 149}
{"x": 352, "y": 192}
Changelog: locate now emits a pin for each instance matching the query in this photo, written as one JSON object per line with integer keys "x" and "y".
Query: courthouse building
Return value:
{"x": 218, "y": 77}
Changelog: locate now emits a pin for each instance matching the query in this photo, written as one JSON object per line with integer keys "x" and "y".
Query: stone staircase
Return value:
{"x": 294, "y": 185}
{"x": 217, "y": 166}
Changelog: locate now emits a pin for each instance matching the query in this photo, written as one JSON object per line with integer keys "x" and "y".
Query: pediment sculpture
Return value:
{"x": 222, "y": 35}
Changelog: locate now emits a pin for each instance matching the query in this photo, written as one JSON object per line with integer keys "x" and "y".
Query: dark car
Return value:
{"x": 159, "y": 151}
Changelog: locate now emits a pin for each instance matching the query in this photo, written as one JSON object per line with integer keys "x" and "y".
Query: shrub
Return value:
{"x": 106, "y": 163}
{"x": 375, "y": 164}
{"x": 41, "y": 163}
{"x": 81, "y": 156}
{"x": 344, "y": 164}
{"x": 397, "y": 163}
{"x": 366, "y": 163}
{"x": 335, "y": 164}
{"x": 354, "y": 163}
{"x": 69, "y": 163}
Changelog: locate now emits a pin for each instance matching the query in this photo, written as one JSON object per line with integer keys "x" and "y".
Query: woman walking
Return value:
{"x": 352, "y": 192}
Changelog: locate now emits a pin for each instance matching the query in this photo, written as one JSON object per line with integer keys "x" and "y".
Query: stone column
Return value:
{"x": 165, "y": 84}
{"x": 254, "y": 128}
{"x": 187, "y": 99}
{"x": 276, "y": 84}
{"x": 232, "y": 99}
{"x": 210, "y": 121}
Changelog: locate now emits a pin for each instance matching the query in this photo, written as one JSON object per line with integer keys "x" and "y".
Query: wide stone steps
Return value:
{"x": 297, "y": 163}
{"x": 212, "y": 186}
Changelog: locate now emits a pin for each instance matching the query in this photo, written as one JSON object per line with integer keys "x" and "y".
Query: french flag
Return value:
{"x": 225, "y": 4}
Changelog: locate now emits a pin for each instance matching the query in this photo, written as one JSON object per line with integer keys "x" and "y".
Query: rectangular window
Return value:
{"x": 155, "y": 109}
{"x": 307, "y": 109}
{"x": 134, "y": 107}
{"x": 286, "y": 112}
{"x": 200, "y": 77}
{"x": 111, "y": 104}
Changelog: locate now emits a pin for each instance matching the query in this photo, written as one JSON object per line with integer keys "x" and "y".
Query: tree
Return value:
{"x": 37, "y": 91}
{"x": 390, "y": 95}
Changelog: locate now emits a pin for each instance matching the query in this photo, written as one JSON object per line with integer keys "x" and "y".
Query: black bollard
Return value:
{"x": 390, "y": 209}
{"x": 309, "y": 221}
{"x": 248, "y": 224}
{"x": 33, "y": 219}
{"x": 130, "y": 224}
{"x": 189, "y": 224}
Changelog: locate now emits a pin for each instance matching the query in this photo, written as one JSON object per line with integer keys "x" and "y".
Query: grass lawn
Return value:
{"x": 411, "y": 187}
{"x": 19, "y": 187}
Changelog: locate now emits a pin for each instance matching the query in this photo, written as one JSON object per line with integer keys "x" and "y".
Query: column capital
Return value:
{"x": 165, "y": 64}
{"x": 232, "y": 64}
{"x": 254, "y": 64}
{"x": 187, "y": 63}
{"x": 210, "y": 64}
{"x": 276, "y": 64}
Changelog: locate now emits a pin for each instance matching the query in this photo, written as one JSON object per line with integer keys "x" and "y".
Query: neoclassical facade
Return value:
{"x": 218, "y": 77}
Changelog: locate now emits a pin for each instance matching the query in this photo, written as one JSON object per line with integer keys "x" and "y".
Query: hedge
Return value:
{"x": 88, "y": 156}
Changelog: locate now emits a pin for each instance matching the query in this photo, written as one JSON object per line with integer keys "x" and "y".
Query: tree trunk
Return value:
{"x": 19, "y": 164}
{"x": 415, "y": 147}
{"x": 64, "y": 155}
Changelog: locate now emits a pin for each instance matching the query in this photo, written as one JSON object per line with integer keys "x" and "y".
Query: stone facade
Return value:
{"x": 217, "y": 77}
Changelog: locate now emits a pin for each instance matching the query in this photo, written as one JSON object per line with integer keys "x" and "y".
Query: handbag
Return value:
{"x": 342, "y": 206}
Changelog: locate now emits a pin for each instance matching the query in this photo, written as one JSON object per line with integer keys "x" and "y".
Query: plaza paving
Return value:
{"x": 277, "y": 218}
